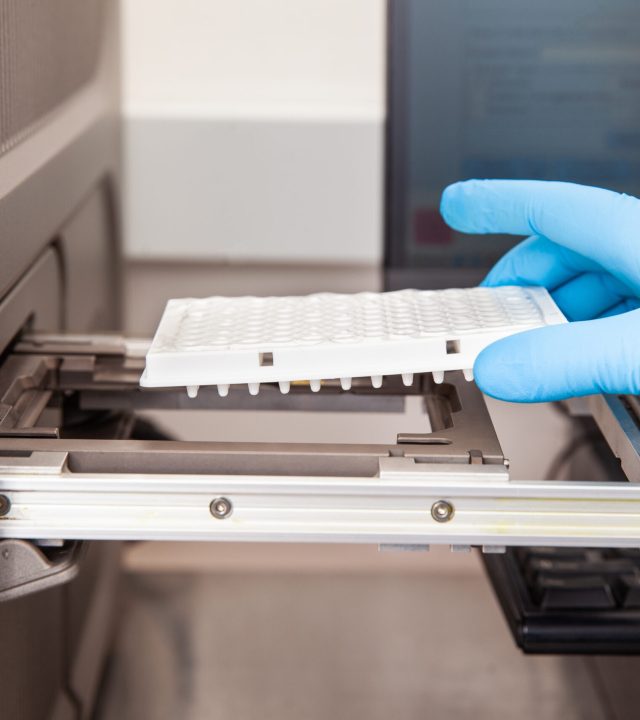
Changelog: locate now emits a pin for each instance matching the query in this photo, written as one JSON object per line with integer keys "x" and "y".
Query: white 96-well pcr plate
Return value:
{"x": 251, "y": 340}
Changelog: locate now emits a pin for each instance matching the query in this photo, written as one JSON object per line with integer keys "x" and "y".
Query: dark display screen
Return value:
{"x": 548, "y": 89}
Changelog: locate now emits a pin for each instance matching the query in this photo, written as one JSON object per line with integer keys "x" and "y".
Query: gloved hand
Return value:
{"x": 584, "y": 247}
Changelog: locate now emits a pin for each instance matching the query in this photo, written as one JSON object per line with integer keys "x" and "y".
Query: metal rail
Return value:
{"x": 406, "y": 503}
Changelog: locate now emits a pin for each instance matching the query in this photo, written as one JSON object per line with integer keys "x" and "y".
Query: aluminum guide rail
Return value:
{"x": 394, "y": 507}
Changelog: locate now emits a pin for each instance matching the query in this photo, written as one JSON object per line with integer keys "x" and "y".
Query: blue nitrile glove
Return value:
{"x": 584, "y": 247}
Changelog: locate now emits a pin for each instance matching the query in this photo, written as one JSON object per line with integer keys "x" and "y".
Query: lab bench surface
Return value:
{"x": 315, "y": 643}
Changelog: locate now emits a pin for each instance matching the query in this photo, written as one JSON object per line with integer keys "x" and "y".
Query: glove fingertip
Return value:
{"x": 454, "y": 206}
{"x": 506, "y": 370}
{"x": 490, "y": 374}
{"x": 447, "y": 202}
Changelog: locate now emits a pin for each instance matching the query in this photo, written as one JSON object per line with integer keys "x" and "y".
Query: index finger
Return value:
{"x": 600, "y": 224}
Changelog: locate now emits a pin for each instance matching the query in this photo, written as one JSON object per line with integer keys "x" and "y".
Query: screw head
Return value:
{"x": 221, "y": 508}
{"x": 442, "y": 511}
{"x": 5, "y": 505}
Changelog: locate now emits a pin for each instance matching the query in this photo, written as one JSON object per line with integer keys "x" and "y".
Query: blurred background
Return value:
{"x": 254, "y": 130}
{"x": 287, "y": 147}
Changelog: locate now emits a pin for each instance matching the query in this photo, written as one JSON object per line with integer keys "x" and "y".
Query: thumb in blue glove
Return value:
{"x": 584, "y": 247}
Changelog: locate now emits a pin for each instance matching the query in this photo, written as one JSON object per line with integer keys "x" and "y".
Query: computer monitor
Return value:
{"x": 501, "y": 89}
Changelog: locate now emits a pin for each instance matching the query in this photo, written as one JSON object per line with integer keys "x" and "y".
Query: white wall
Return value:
{"x": 254, "y": 128}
